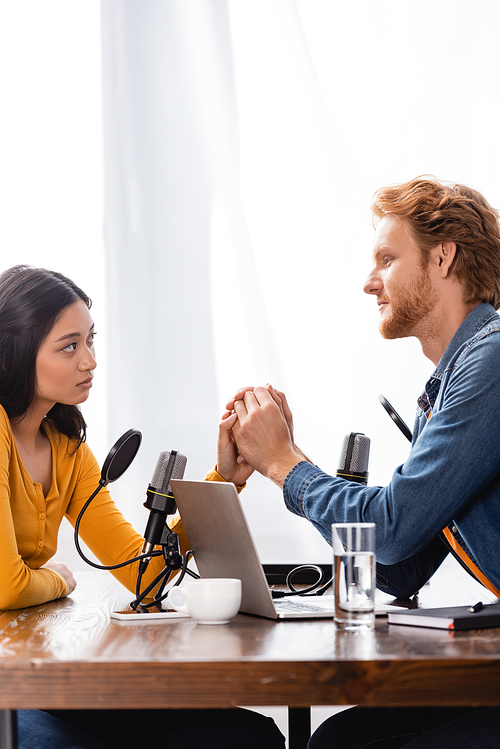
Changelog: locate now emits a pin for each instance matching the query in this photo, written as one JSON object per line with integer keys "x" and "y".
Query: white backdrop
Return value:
{"x": 242, "y": 144}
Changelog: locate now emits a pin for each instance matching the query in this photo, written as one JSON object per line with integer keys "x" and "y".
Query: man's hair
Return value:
{"x": 437, "y": 212}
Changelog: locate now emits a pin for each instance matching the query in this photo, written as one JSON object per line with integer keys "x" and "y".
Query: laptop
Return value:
{"x": 223, "y": 547}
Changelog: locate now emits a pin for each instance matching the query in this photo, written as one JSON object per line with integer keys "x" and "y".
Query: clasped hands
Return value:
{"x": 256, "y": 432}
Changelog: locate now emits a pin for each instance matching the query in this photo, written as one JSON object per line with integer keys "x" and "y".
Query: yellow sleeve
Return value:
{"x": 213, "y": 475}
{"x": 22, "y": 535}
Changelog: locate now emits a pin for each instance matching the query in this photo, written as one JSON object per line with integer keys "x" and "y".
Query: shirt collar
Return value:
{"x": 475, "y": 320}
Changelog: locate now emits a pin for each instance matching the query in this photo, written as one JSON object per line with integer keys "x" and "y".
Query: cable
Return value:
{"x": 317, "y": 588}
{"x": 103, "y": 566}
{"x": 163, "y": 577}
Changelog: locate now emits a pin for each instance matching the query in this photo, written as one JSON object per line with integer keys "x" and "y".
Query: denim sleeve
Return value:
{"x": 448, "y": 475}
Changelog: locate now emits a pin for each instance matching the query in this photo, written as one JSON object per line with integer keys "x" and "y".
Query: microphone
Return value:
{"x": 160, "y": 500}
{"x": 353, "y": 463}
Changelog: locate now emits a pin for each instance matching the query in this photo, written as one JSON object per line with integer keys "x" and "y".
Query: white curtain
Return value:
{"x": 243, "y": 142}
{"x": 162, "y": 377}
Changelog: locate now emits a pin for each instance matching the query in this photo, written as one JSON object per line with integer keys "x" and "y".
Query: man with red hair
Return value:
{"x": 435, "y": 276}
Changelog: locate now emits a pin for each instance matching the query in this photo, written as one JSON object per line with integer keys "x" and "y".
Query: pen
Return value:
{"x": 477, "y": 607}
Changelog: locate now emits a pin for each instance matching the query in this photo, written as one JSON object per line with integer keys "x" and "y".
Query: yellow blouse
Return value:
{"x": 29, "y": 521}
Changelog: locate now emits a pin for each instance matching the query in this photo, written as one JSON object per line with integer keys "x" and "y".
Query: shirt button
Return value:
{"x": 42, "y": 516}
{"x": 40, "y": 544}
{"x": 454, "y": 529}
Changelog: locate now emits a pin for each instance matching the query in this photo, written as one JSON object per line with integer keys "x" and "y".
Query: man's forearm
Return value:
{"x": 279, "y": 469}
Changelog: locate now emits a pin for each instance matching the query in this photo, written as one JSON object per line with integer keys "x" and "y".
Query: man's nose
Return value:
{"x": 373, "y": 283}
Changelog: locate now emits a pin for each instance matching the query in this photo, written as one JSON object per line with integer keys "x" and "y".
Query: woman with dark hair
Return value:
{"x": 47, "y": 471}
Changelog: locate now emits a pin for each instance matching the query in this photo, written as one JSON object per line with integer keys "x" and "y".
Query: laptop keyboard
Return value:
{"x": 301, "y": 603}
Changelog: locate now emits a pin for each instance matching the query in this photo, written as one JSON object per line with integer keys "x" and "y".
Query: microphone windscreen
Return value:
{"x": 161, "y": 467}
{"x": 355, "y": 453}
{"x": 353, "y": 463}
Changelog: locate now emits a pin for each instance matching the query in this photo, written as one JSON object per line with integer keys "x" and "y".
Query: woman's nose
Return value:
{"x": 88, "y": 362}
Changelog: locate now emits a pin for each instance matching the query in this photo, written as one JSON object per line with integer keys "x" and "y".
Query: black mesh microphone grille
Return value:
{"x": 177, "y": 470}
{"x": 355, "y": 453}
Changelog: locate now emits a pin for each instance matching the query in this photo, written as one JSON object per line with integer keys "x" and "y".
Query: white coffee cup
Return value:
{"x": 213, "y": 600}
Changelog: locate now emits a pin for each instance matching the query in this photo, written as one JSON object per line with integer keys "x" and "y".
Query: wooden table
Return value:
{"x": 69, "y": 654}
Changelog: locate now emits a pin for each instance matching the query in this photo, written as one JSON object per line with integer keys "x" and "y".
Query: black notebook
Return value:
{"x": 451, "y": 617}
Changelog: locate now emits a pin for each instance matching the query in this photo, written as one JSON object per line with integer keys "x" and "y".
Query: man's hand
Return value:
{"x": 230, "y": 465}
{"x": 280, "y": 399}
{"x": 64, "y": 572}
{"x": 262, "y": 432}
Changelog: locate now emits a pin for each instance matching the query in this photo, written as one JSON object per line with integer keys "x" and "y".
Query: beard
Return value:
{"x": 410, "y": 308}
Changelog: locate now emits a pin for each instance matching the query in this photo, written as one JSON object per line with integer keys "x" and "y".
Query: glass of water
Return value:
{"x": 354, "y": 575}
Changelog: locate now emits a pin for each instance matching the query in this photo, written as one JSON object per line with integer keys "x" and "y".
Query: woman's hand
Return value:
{"x": 64, "y": 572}
{"x": 230, "y": 465}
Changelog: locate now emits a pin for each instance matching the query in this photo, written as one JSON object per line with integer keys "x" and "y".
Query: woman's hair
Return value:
{"x": 31, "y": 300}
{"x": 437, "y": 212}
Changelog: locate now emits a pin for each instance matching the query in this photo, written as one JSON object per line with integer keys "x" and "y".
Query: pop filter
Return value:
{"x": 396, "y": 418}
{"x": 117, "y": 461}
{"x": 120, "y": 456}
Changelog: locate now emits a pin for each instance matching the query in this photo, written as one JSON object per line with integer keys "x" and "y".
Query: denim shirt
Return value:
{"x": 451, "y": 477}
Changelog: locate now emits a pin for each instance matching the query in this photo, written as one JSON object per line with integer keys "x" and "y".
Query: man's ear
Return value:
{"x": 443, "y": 256}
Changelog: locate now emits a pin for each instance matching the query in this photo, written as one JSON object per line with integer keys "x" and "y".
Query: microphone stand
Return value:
{"x": 173, "y": 559}
{"x": 117, "y": 461}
